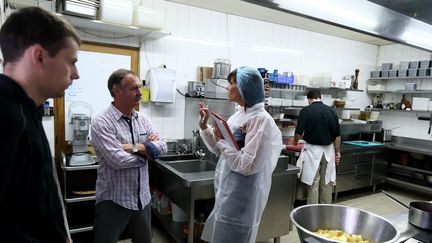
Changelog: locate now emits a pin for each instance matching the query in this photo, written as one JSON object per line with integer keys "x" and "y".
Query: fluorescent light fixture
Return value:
{"x": 329, "y": 7}
{"x": 417, "y": 36}
{"x": 275, "y": 50}
{"x": 198, "y": 41}
{"x": 345, "y": 13}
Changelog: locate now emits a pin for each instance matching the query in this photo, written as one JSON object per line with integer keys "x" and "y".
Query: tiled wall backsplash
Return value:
{"x": 199, "y": 36}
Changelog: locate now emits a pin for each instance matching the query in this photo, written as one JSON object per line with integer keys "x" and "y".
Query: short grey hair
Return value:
{"x": 116, "y": 78}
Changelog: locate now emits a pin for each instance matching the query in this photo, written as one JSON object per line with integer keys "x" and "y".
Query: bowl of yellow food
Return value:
{"x": 336, "y": 223}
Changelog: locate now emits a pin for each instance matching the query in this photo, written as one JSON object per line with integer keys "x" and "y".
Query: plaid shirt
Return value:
{"x": 122, "y": 177}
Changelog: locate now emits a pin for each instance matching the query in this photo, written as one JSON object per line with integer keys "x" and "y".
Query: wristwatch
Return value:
{"x": 134, "y": 149}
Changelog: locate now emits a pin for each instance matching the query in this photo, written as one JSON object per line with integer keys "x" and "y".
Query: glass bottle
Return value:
{"x": 408, "y": 103}
{"x": 403, "y": 102}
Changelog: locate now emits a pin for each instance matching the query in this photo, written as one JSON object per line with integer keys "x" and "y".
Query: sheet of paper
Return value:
{"x": 225, "y": 130}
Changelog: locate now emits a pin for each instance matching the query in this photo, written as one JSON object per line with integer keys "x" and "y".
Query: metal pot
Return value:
{"x": 310, "y": 218}
{"x": 387, "y": 134}
{"x": 419, "y": 214}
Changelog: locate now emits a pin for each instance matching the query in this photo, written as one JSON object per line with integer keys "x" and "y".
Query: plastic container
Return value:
{"x": 178, "y": 215}
{"x": 410, "y": 86}
{"x": 113, "y": 12}
{"x": 151, "y": 18}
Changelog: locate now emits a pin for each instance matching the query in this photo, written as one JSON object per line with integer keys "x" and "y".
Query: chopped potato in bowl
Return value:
{"x": 339, "y": 235}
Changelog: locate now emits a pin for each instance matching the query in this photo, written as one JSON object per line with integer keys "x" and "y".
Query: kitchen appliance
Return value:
{"x": 310, "y": 218}
{"x": 81, "y": 125}
{"x": 196, "y": 89}
{"x": 221, "y": 69}
{"x": 83, "y": 9}
{"x": 216, "y": 88}
{"x": 387, "y": 134}
{"x": 346, "y": 115}
{"x": 420, "y": 212}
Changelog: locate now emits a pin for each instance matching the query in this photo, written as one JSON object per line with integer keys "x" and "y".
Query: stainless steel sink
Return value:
{"x": 174, "y": 157}
{"x": 185, "y": 179}
{"x": 192, "y": 166}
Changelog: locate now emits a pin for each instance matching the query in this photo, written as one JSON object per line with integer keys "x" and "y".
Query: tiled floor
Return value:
{"x": 374, "y": 202}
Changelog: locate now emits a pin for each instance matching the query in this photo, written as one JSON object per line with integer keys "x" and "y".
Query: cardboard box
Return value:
{"x": 204, "y": 73}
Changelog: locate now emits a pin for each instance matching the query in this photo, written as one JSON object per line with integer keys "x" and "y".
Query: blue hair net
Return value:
{"x": 250, "y": 85}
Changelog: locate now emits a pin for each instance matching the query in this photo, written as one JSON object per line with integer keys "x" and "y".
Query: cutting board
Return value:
{"x": 362, "y": 143}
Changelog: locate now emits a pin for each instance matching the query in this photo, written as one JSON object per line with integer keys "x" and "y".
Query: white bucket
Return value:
{"x": 178, "y": 215}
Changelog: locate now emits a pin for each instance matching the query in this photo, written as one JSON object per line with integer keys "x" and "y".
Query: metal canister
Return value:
{"x": 221, "y": 69}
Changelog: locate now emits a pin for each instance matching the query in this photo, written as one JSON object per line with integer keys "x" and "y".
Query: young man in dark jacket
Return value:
{"x": 40, "y": 52}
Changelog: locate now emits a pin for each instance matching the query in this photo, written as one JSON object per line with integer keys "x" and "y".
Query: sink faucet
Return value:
{"x": 196, "y": 146}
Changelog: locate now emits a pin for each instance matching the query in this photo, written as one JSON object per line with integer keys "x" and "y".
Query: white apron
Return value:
{"x": 309, "y": 160}
{"x": 242, "y": 178}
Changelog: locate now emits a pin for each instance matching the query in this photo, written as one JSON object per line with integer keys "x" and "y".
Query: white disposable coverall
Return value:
{"x": 243, "y": 177}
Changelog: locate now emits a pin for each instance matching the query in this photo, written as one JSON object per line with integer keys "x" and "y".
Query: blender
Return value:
{"x": 81, "y": 125}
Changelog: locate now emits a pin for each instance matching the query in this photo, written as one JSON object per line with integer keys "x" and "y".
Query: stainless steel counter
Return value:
{"x": 410, "y": 145}
{"x": 406, "y": 230}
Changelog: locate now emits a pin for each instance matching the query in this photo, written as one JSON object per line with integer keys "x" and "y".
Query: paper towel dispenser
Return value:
{"x": 162, "y": 84}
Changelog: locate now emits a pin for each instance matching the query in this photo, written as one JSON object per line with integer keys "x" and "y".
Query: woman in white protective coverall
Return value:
{"x": 243, "y": 177}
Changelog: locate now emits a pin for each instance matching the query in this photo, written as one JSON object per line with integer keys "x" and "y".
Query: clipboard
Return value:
{"x": 225, "y": 130}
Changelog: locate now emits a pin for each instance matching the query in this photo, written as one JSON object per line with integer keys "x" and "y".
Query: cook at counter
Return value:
{"x": 318, "y": 126}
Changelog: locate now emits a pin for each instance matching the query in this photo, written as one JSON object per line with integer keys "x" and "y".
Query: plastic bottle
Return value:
{"x": 145, "y": 93}
{"x": 46, "y": 108}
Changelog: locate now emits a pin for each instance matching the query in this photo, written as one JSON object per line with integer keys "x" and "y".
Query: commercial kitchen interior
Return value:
{"x": 304, "y": 42}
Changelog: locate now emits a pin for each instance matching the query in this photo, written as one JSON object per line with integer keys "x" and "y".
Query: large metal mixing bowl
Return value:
{"x": 310, "y": 218}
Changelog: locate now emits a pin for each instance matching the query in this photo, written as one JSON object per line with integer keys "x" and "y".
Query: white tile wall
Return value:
{"x": 409, "y": 125}
{"x": 321, "y": 53}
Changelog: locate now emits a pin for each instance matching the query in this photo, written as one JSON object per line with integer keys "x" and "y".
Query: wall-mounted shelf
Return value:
{"x": 349, "y": 109}
{"x": 97, "y": 25}
{"x": 401, "y": 78}
{"x": 305, "y": 88}
{"x": 400, "y": 91}
{"x": 335, "y": 89}
{"x": 397, "y": 110}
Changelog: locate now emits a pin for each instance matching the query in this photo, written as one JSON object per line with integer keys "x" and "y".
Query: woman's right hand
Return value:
{"x": 204, "y": 116}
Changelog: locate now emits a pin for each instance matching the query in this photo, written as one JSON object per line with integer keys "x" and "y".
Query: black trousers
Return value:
{"x": 112, "y": 219}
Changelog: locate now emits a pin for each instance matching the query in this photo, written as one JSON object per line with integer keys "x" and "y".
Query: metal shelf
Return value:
{"x": 402, "y": 78}
{"x": 310, "y": 87}
{"x": 408, "y": 185}
{"x": 400, "y": 91}
{"x": 335, "y": 89}
{"x": 80, "y": 229}
{"x": 81, "y": 167}
{"x": 411, "y": 169}
{"x": 80, "y": 199}
{"x": 398, "y": 110}
{"x": 97, "y": 25}
{"x": 349, "y": 109}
